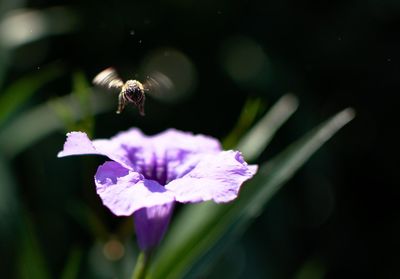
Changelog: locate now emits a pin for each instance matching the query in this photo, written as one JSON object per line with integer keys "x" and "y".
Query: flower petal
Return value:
{"x": 124, "y": 191}
{"x": 151, "y": 224}
{"x": 77, "y": 143}
{"x": 181, "y": 151}
{"x": 141, "y": 153}
{"x": 216, "y": 177}
{"x": 170, "y": 139}
{"x": 162, "y": 157}
{"x": 174, "y": 139}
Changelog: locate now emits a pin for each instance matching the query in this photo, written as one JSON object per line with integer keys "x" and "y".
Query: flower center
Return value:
{"x": 163, "y": 165}
{"x": 157, "y": 169}
{"x": 150, "y": 165}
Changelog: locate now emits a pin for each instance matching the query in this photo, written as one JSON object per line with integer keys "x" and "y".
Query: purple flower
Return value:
{"x": 148, "y": 174}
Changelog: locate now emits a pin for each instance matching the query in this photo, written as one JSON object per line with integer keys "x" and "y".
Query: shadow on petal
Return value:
{"x": 109, "y": 173}
{"x": 153, "y": 187}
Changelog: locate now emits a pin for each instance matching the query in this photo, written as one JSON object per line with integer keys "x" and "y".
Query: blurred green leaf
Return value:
{"x": 82, "y": 91}
{"x": 31, "y": 263}
{"x": 20, "y": 91}
{"x": 19, "y": 26}
{"x": 312, "y": 269}
{"x": 198, "y": 228}
{"x": 8, "y": 201}
{"x": 42, "y": 120}
{"x": 5, "y": 53}
{"x": 7, "y": 5}
{"x": 255, "y": 141}
{"x": 71, "y": 269}
{"x": 4, "y": 60}
{"x": 246, "y": 119}
{"x": 22, "y": 26}
{"x": 64, "y": 113}
{"x": 9, "y": 219}
{"x": 89, "y": 220}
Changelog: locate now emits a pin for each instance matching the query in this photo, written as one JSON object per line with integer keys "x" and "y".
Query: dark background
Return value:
{"x": 338, "y": 218}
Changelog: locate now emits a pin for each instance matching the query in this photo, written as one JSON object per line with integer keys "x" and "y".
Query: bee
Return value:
{"x": 131, "y": 91}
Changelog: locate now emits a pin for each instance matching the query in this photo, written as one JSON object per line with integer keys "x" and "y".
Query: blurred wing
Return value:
{"x": 158, "y": 84}
{"x": 108, "y": 78}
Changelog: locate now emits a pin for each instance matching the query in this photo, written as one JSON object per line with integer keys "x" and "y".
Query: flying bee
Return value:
{"x": 132, "y": 91}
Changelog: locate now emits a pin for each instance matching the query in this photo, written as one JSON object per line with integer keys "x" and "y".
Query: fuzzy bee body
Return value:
{"x": 132, "y": 91}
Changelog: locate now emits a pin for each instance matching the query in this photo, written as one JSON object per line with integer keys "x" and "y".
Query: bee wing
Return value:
{"x": 108, "y": 78}
{"x": 158, "y": 84}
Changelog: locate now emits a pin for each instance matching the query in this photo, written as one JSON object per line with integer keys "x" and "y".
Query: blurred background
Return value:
{"x": 338, "y": 218}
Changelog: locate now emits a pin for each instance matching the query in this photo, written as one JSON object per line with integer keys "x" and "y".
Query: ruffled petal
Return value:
{"x": 216, "y": 177}
{"x": 77, "y": 143}
{"x": 173, "y": 139}
{"x": 124, "y": 191}
{"x": 181, "y": 151}
{"x": 115, "y": 151}
{"x": 169, "y": 140}
{"x": 162, "y": 157}
{"x": 129, "y": 137}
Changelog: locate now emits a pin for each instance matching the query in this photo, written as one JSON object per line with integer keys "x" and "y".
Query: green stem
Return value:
{"x": 142, "y": 265}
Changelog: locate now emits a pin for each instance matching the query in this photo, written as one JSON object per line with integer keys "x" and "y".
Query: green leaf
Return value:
{"x": 247, "y": 116}
{"x": 44, "y": 119}
{"x": 71, "y": 269}
{"x": 199, "y": 227}
{"x": 255, "y": 141}
{"x": 88, "y": 219}
{"x": 82, "y": 90}
{"x": 31, "y": 262}
{"x": 9, "y": 203}
{"x": 20, "y": 91}
{"x": 82, "y": 94}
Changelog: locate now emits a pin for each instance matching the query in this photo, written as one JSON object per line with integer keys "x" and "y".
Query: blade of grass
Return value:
{"x": 270, "y": 179}
{"x": 255, "y": 141}
{"x": 199, "y": 227}
{"x": 247, "y": 116}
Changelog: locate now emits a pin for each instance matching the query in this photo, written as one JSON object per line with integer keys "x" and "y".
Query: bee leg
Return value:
{"x": 140, "y": 103}
{"x": 121, "y": 103}
{"x": 141, "y": 109}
